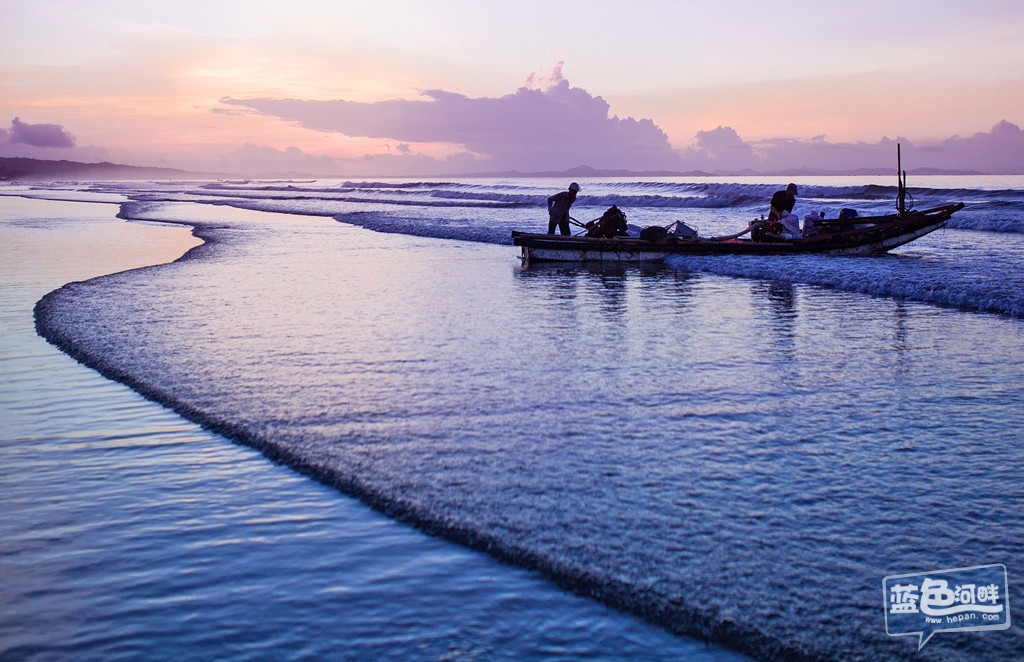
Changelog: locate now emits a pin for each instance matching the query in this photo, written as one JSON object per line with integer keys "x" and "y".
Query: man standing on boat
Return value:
{"x": 782, "y": 203}
{"x": 558, "y": 209}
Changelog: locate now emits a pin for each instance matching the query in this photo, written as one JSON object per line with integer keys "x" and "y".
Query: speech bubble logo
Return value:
{"x": 951, "y": 600}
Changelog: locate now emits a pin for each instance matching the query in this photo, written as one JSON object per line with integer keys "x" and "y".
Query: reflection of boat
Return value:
{"x": 855, "y": 236}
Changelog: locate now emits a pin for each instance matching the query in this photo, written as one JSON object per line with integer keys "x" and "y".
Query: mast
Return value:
{"x": 901, "y": 182}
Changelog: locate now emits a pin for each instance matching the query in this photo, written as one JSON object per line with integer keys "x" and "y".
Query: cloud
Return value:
{"x": 259, "y": 160}
{"x": 548, "y": 128}
{"x": 541, "y": 81}
{"x": 264, "y": 161}
{"x": 47, "y": 142}
{"x": 553, "y": 128}
{"x": 721, "y": 149}
{"x": 998, "y": 151}
{"x": 549, "y": 125}
{"x": 39, "y": 135}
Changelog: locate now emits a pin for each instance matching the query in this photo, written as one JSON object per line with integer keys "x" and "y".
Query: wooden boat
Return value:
{"x": 855, "y": 236}
{"x": 847, "y": 236}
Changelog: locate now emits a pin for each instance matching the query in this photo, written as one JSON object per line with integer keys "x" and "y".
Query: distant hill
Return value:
{"x": 587, "y": 171}
{"x": 36, "y": 170}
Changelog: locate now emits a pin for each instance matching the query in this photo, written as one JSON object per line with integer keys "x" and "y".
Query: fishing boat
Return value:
{"x": 846, "y": 235}
{"x": 856, "y": 236}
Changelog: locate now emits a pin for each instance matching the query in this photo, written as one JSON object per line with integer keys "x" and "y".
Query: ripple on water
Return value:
{"x": 130, "y": 533}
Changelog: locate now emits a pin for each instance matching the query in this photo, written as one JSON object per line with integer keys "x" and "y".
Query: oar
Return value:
{"x": 730, "y": 236}
{"x": 585, "y": 227}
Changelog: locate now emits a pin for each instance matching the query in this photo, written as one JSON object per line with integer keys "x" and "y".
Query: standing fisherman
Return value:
{"x": 558, "y": 209}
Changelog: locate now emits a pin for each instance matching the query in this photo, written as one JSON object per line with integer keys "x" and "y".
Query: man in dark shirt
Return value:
{"x": 782, "y": 203}
{"x": 558, "y": 209}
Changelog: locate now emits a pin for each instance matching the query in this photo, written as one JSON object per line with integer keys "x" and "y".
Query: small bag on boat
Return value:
{"x": 811, "y": 223}
{"x": 790, "y": 224}
{"x": 681, "y": 230}
{"x": 654, "y": 233}
{"x": 677, "y": 230}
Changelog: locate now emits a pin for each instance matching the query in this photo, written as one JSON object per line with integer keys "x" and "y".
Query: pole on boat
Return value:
{"x": 585, "y": 227}
{"x": 901, "y": 195}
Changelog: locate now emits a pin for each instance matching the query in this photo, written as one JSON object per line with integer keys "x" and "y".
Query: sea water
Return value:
{"x": 130, "y": 533}
{"x": 734, "y": 448}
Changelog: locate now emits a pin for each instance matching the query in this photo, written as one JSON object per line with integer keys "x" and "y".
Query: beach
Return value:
{"x": 131, "y": 533}
{"x": 735, "y": 450}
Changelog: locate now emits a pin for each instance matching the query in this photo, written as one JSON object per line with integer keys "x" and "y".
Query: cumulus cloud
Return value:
{"x": 998, "y": 151}
{"x": 39, "y": 135}
{"x": 47, "y": 142}
{"x": 549, "y": 125}
{"x": 556, "y": 127}
{"x": 542, "y": 81}
{"x": 721, "y": 148}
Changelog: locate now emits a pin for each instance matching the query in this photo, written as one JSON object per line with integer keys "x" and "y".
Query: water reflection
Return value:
{"x": 610, "y": 271}
{"x": 780, "y": 311}
{"x": 612, "y": 289}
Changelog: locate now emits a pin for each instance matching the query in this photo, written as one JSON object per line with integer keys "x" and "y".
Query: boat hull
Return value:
{"x": 862, "y": 236}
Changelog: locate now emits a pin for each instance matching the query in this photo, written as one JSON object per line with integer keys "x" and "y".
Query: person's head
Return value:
{"x": 791, "y": 190}
{"x": 574, "y": 188}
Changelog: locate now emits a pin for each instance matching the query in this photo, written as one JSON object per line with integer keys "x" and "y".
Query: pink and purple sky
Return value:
{"x": 387, "y": 87}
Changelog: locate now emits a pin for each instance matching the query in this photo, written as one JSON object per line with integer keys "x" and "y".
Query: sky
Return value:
{"x": 448, "y": 87}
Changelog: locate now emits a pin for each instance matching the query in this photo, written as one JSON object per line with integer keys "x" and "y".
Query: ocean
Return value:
{"x": 734, "y": 450}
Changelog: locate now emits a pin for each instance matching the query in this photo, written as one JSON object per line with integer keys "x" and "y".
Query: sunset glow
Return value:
{"x": 146, "y": 83}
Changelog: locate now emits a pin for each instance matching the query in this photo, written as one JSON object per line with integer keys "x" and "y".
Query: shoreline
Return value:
{"x": 71, "y": 427}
